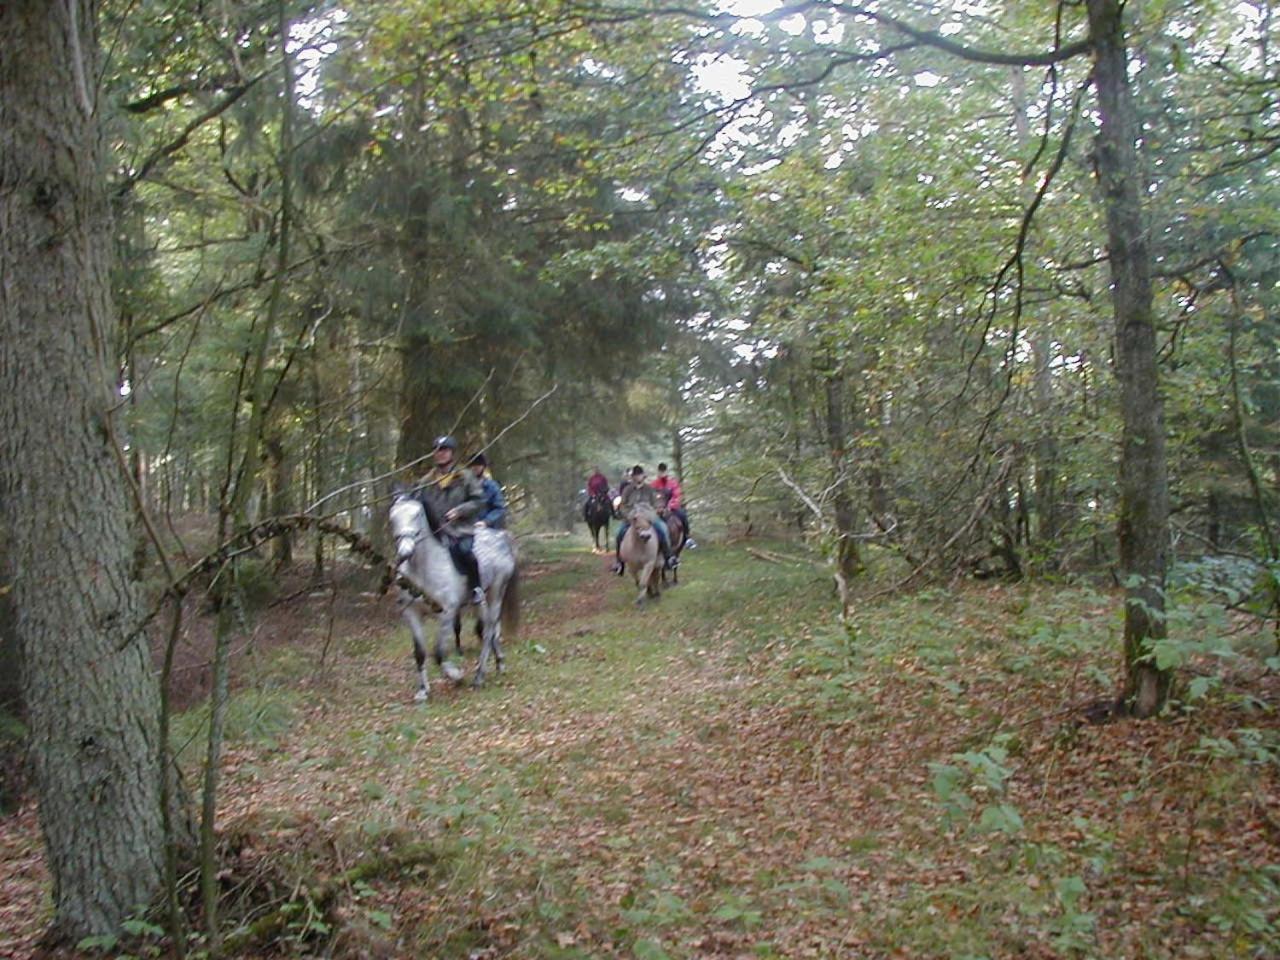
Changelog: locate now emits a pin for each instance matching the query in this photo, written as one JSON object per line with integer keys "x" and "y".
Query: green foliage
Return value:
{"x": 984, "y": 774}
{"x": 252, "y": 716}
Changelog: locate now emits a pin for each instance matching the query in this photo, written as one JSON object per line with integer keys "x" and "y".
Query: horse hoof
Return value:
{"x": 477, "y": 682}
{"x": 451, "y": 671}
{"x": 420, "y": 696}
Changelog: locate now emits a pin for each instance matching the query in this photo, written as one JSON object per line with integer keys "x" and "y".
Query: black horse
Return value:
{"x": 598, "y": 511}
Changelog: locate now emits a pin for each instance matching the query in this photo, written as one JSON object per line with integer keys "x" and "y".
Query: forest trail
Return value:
{"x": 632, "y": 756}
{"x": 723, "y": 774}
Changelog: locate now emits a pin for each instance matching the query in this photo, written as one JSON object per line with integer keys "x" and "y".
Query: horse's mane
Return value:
{"x": 644, "y": 511}
{"x": 433, "y": 521}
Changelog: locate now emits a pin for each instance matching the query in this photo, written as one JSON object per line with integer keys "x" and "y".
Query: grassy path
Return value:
{"x": 622, "y": 789}
{"x": 728, "y": 773}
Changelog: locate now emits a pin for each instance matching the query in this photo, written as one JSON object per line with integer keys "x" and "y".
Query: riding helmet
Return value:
{"x": 446, "y": 441}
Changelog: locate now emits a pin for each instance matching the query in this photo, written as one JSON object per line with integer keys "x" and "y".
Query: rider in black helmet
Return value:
{"x": 455, "y": 497}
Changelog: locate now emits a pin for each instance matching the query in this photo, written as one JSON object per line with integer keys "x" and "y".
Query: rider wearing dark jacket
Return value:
{"x": 455, "y": 497}
{"x": 634, "y": 493}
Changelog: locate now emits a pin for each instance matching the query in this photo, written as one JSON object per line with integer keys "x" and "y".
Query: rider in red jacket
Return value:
{"x": 668, "y": 485}
{"x": 597, "y": 485}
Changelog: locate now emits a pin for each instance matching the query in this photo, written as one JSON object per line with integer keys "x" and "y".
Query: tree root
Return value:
{"x": 323, "y": 896}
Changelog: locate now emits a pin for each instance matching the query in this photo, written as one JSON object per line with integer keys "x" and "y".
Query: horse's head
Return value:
{"x": 408, "y": 522}
{"x": 642, "y": 523}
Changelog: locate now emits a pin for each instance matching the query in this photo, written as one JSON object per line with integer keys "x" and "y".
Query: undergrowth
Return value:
{"x": 732, "y": 771}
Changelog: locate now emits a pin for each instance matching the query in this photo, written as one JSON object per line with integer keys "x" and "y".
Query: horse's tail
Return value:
{"x": 511, "y": 603}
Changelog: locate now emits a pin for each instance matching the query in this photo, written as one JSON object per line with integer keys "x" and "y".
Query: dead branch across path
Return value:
{"x": 769, "y": 556}
{"x": 260, "y": 533}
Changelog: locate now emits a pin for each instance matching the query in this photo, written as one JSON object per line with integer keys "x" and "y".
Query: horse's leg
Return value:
{"x": 495, "y": 642}
{"x": 443, "y": 631}
{"x": 414, "y": 621}
{"x": 491, "y": 619}
{"x": 642, "y": 573}
{"x": 457, "y": 631}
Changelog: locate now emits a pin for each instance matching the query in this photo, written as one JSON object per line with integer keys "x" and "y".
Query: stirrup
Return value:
{"x": 691, "y": 544}
{"x": 672, "y": 562}
{"x": 477, "y": 596}
{"x": 618, "y": 567}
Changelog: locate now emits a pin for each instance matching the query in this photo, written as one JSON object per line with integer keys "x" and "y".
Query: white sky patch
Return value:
{"x": 726, "y": 77}
{"x": 927, "y": 78}
{"x": 794, "y": 25}
{"x": 308, "y": 42}
{"x": 632, "y": 195}
{"x": 749, "y": 8}
{"x": 827, "y": 32}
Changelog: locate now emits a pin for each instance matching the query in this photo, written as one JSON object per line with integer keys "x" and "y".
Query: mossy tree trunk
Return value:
{"x": 1144, "y": 485}
{"x": 91, "y": 696}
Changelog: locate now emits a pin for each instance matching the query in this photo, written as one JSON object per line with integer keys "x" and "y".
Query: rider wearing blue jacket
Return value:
{"x": 495, "y": 504}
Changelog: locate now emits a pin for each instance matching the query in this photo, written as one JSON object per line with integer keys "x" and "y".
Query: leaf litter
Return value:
{"x": 694, "y": 780}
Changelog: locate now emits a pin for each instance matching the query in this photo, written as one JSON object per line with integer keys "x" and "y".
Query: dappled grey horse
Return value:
{"x": 423, "y": 558}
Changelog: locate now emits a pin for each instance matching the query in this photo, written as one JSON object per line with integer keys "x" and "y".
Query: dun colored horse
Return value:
{"x": 639, "y": 551}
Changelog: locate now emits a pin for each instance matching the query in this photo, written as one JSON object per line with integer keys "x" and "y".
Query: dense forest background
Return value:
{"x": 980, "y": 290}
{"x": 804, "y": 256}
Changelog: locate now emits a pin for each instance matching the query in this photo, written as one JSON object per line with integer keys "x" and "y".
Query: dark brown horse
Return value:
{"x": 675, "y": 528}
{"x": 597, "y": 512}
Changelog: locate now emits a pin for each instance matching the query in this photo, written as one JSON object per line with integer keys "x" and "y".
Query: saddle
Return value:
{"x": 461, "y": 552}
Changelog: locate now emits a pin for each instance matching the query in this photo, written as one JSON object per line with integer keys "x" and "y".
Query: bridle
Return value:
{"x": 414, "y": 537}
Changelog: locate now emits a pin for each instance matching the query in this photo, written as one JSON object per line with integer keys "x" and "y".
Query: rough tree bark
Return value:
{"x": 848, "y": 559}
{"x": 1144, "y": 485}
{"x": 91, "y": 697}
{"x": 1046, "y": 443}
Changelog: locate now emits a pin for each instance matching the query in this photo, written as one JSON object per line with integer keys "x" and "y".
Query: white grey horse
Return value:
{"x": 424, "y": 560}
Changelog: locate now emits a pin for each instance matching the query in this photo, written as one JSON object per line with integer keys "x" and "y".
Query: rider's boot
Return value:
{"x": 618, "y": 566}
{"x": 473, "y": 581}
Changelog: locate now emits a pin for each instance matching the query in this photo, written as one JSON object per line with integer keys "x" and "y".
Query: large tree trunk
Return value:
{"x": 1045, "y": 476}
{"x": 848, "y": 559}
{"x": 280, "y": 485}
{"x": 91, "y": 697}
{"x": 1144, "y": 486}
{"x": 423, "y": 416}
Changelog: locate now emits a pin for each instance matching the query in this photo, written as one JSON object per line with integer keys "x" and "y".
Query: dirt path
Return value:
{"x": 665, "y": 783}
{"x": 631, "y": 788}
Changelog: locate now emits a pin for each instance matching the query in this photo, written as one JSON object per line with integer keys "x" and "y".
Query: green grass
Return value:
{"x": 568, "y": 809}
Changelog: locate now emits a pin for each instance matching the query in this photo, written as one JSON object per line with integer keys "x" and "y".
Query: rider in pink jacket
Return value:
{"x": 669, "y": 486}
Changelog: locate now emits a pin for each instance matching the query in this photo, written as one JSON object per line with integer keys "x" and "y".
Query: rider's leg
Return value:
{"x": 471, "y": 567}
{"x": 617, "y": 547}
{"x": 664, "y": 541}
{"x": 688, "y": 537}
